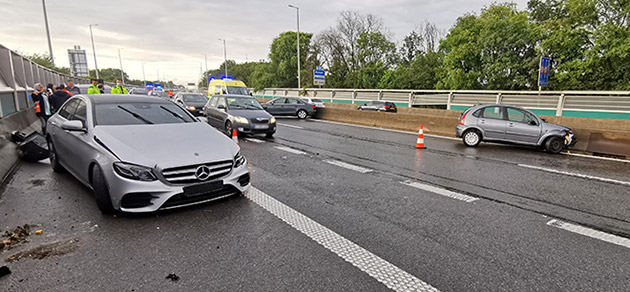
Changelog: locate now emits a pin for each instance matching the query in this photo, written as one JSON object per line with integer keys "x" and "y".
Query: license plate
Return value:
{"x": 202, "y": 189}
{"x": 261, "y": 126}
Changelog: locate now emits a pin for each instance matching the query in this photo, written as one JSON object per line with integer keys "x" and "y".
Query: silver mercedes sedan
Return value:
{"x": 142, "y": 154}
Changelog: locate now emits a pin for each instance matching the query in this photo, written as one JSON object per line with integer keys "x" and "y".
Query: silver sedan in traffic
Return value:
{"x": 142, "y": 154}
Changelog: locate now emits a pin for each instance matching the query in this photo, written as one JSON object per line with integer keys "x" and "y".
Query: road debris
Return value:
{"x": 4, "y": 270}
{"x": 15, "y": 237}
{"x": 39, "y": 232}
{"x": 172, "y": 277}
{"x": 47, "y": 250}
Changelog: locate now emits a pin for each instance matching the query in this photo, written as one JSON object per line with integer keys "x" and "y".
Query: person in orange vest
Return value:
{"x": 65, "y": 89}
{"x": 42, "y": 104}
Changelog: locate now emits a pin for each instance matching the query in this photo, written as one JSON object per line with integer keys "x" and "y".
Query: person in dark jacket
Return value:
{"x": 42, "y": 104}
{"x": 72, "y": 89}
{"x": 59, "y": 97}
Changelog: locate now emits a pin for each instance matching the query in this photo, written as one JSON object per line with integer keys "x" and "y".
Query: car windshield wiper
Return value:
{"x": 135, "y": 115}
{"x": 174, "y": 114}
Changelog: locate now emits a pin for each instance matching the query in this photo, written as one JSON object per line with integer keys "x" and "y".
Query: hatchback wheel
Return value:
{"x": 554, "y": 145}
{"x": 101, "y": 191}
{"x": 472, "y": 138}
{"x": 302, "y": 114}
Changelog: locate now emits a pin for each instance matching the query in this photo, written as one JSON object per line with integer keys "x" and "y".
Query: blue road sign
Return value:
{"x": 543, "y": 72}
{"x": 319, "y": 72}
{"x": 319, "y": 76}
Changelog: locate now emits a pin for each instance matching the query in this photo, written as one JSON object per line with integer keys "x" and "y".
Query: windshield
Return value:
{"x": 195, "y": 97}
{"x": 140, "y": 113}
{"x": 237, "y": 90}
{"x": 246, "y": 103}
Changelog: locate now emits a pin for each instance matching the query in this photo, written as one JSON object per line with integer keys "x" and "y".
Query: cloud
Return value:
{"x": 171, "y": 36}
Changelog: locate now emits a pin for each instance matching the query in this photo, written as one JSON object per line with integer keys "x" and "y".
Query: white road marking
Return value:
{"x": 383, "y": 271}
{"x": 577, "y": 175}
{"x": 290, "y": 126}
{"x": 597, "y": 157}
{"x": 607, "y": 237}
{"x": 388, "y": 130}
{"x": 290, "y": 150}
{"x": 440, "y": 191}
{"x": 348, "y": 166}
{"x": 255, "y": 140}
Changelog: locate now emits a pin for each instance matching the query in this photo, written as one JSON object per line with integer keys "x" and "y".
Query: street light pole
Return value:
{"x": 297, "y": 9}
{"x": 205, "y": 76}
{"x": 144, "y": 79}
{"x": 224, "y": 57}
{"x": 122, "y": 75}
{"x": 94, "y": 49}
{"x": 52, "y": 57}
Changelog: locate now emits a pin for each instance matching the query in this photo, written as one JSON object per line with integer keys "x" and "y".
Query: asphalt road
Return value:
{"x": 332, "y": 202}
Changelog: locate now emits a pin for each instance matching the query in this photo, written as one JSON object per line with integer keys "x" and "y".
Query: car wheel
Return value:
{"x": 471, "y": 138}
{"x": 228, "y": 128}
{"x": 302, "y": 114}
{"x": 54, "y": 158}
{"x": 101, "y": 191}
{"x": 554, "y": 145}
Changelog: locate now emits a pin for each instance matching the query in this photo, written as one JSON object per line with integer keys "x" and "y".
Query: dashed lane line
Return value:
{"x": 255, "y": 140}
{"x": 348, "y": 166}
{"x": 607, "y": 237}
{"x": 440, "y": 191}
{"x": 290, "y": 126}
{"x": 577, "y": 174}
{"x": 290, "y": 150}
{"x": 383, "y": 271}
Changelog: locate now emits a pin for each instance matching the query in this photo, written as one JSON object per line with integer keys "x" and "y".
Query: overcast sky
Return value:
{"x": 171, "y": 36}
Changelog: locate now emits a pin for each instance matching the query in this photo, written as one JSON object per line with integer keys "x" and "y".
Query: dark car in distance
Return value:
{"x": 240, "y": 112}
{"x": 193, "y": 102}
{"x": 379, "y": 105}
{"x": 290, "y": 106}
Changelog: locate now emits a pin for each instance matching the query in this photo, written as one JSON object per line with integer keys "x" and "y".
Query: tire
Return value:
{"x": 554, "y": 145}
{"x": 302, "y": 114}
{"x": 54, "y": 158}
{"x": 228, "y": 128}
{"x": 101, "y": 191}
{"x": 471, "y": 138}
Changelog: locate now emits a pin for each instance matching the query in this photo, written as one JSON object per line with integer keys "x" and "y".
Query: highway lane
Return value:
{"x": 350, "y": 181}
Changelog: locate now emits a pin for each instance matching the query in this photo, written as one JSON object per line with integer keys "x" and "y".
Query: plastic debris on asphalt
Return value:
{"x": 172, "y": 277}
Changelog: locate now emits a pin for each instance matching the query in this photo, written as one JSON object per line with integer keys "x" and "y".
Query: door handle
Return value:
{"x": 511, "y": 124}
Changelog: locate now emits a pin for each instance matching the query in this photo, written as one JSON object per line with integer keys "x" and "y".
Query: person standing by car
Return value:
{"x": 71, "y": 89}
{"x": 59, "y": 97}
{"x": 119, "y": 89}
{"x": 93, "y": 89}
{"x": 101, "y": 88}
{"x": 42, "y": 105}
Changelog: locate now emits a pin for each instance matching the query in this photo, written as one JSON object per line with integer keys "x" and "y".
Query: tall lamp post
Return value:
{"x": 144, "y": 79}
{"x": 94, "y": 49}
{"x": 122, "y": 75}
{"x": 205, "y": 76}
{"x": 224, "y": 57}
{"x": 297, "y": 9}
{"x": 52, "y": 57}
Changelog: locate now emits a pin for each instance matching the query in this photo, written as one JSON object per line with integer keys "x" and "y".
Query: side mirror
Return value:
{"x": 251, "y": 93}
{"x": 264, "y": 106}
{"x": 221, "y": 107}
{"x": 73, "y": 126}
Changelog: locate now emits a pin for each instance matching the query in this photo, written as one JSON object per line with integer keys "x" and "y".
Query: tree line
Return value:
{"x": 588, "y": 42}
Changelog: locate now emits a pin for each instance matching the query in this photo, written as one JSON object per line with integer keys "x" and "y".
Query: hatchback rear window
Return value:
{"x": 316, "y": 100}
{"x": 493, "y": 112}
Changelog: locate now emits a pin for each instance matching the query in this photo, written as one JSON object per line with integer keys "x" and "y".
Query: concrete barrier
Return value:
{"x": 25, "y": 121}
{"x": 601, "y": 136}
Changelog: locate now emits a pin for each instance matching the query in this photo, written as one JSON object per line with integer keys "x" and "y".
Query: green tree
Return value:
{"x": 375, "y": 55}
{"x": 421, "y": 73}
{"x": 108, "y": 74}
{"x": 45, "y": 60}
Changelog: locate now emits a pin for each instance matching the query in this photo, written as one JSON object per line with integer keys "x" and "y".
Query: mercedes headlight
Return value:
{"x": 272, "y": 120}
{"x": 135, "y": 172}
{"x": 239, "y": 160}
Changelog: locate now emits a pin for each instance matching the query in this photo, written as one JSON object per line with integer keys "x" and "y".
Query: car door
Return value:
{"x": 492, "y": 123}
{"x": 291, "y": 106}
{"x": 222, "y": 111}
{"x": 81, "y": 145}
{"x": 61, "y": 138}
{"x": 213, "y": 111}
{"x": 522, "y": 126}
{"x": 274, "y": 107}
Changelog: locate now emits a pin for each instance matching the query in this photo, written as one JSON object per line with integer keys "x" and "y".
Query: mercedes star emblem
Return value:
{"x": 202, "y": 172}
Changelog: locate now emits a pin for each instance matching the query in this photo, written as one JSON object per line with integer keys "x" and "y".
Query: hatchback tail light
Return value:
{"x": 386, "y": 107}
{"x": 461, "y": 121}
{"x": 323, "y": 103}
{"x": 314, "y": 106}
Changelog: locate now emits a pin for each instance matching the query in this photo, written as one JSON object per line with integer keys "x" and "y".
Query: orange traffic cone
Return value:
{"x": 420, "y": 142}
{"x": 235, "y": 136}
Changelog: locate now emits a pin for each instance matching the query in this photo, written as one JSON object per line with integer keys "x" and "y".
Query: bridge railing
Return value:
{"x": 587, "y": 104}
{"x": 17, "y": 77}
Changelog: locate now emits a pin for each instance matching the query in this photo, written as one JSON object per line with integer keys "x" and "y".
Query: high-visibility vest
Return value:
{"x": 68, "y": 92}
{"x": 37, "y": 108}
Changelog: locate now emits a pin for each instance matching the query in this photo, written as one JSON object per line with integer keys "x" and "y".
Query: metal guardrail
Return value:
{"x": 18, "y": 75}
{"x": 587, "y": 104}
